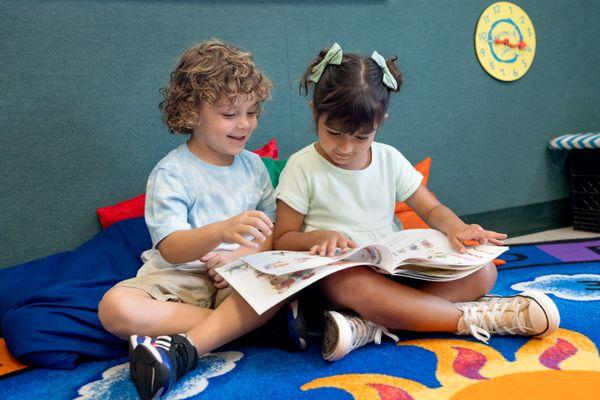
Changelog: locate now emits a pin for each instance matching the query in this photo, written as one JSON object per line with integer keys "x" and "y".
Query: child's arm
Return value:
{"x": 190, "y": 245}
{"x": 444, "y": 220}
{"x": 289, "y": 236}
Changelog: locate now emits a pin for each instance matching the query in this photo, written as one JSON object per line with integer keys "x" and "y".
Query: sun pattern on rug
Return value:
{"x": 563, "y": 365}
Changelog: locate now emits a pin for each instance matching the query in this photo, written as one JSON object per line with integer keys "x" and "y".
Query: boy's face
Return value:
{"x": 224, "y": 129}
{"x": 344, "y": 150}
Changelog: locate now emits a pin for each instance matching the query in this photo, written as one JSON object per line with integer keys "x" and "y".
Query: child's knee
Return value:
{"x": 490, "y": 275}
{"x": 348, "y": 287}
{"x": 115, "y": 313}
{"x": 486, "y": 279}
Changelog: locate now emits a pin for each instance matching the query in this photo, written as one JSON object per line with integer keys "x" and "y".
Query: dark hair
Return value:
{"x": 352, "y": 95}
{"x": 205, "y": 74}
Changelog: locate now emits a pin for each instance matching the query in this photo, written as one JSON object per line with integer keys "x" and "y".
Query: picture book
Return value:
{"x": 264, "y": 279}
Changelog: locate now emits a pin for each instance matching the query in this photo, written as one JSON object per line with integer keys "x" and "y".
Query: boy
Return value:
{"x": 208, "y": 202}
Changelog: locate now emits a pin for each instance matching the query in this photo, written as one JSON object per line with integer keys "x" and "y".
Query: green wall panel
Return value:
{"x": 80, "y": 127}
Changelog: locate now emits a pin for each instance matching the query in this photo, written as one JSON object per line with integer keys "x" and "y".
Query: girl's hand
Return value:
{"x": 476, "y": 233}
{"x": 216, "y": 259}
{"x": 249, "y": 223}
{"x": 329, "y": 241}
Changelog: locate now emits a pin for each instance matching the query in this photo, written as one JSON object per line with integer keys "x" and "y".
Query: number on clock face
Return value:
{"x": 505, "y": 41}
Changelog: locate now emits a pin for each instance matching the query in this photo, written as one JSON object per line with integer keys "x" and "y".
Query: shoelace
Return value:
{"x": 483, "y": 319}
{"x": 367, "y": 331}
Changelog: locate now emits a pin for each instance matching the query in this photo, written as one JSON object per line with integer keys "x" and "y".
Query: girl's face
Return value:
{"x": 344, "y": 150}
{"x": 223, "y": 130}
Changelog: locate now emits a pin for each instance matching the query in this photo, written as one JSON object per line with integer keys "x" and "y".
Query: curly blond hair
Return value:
{"x": 205, "y": 74}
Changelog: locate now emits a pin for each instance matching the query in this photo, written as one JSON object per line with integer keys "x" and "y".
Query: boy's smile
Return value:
{"x": 224, "y": 129}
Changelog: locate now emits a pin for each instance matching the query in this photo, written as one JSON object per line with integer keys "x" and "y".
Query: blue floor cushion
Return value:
{"x": 48, "y": 307}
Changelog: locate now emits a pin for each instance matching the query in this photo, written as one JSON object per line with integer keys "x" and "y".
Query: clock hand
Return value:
{"x": 521, "y": 45}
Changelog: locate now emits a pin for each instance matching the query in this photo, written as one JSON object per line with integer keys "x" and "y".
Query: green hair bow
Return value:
{"x": 388, "y": 78}
{"x": 333, "y": 56}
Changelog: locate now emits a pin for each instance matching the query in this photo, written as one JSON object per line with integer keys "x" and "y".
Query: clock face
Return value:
{"x": 505, "y": 41}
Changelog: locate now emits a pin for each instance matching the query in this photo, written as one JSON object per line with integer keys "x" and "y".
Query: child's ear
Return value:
{"x": 314, "y": 111}
{"x": 194, "y": 123}
{"x": 385, "y": 116}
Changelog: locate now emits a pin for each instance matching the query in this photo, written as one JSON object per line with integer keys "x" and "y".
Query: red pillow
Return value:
{"x": 134, "y": 207}
{"x": 409, "y": 218}
{"x": 131, "y": 208}
{"x": 269, "y": 150}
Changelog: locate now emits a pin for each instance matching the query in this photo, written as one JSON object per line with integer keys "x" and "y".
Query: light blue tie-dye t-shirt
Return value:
{"x": 184, "y": 192}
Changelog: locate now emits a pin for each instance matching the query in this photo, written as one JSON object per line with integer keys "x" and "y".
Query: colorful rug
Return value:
{"x": 564, "y": 365}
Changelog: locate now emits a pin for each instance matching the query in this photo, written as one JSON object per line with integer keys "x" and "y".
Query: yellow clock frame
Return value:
{"x": 505, "y": 41}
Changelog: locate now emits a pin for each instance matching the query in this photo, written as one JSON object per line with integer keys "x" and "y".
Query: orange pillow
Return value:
{"x": 409, "y": 218}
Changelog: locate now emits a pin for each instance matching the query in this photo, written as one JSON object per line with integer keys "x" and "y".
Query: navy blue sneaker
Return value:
{"x": 135, "y": 340}
{"x": 157, "y": 363}
{"x": 296, "y": 326}
{"x": 287, "y": 330}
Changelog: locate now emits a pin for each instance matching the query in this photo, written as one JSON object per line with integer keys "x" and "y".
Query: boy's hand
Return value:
{"x": 216, "y": 259}
{"x": 475, "y": 233}
{"x": 329, "y": 241}
{"x": 249, "y": 223}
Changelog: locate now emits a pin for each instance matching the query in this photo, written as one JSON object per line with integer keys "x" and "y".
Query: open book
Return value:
{"x": 265, "y": 279}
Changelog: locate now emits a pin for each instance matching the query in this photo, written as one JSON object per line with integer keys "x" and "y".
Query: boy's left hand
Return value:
{"x": 216, "y": 259}
{"x": 476, "y": 233}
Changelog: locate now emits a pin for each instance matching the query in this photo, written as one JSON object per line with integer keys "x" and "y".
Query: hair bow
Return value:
{"x": 333, "y": 56}
{"x": 388, "y": 78}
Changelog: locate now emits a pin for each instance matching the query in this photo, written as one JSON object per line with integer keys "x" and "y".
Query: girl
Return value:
{"x": 340, "y": 192}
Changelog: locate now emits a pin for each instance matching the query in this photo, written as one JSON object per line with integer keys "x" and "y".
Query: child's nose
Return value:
{"x": 243, "y": 123}
{"x": 345, "y": 145}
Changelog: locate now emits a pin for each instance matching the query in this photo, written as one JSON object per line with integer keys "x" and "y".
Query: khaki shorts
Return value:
{"x": 189, "y": 284}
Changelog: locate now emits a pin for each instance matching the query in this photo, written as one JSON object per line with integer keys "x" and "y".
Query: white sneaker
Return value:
{"x": 344, "y": 333}
{"x": 529, "y": 314}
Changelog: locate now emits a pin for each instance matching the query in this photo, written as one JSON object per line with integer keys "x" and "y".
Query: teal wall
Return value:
{"x": 80, "y": 128}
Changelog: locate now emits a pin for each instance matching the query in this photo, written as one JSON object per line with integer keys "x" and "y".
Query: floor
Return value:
{"x": 550, "y": 235}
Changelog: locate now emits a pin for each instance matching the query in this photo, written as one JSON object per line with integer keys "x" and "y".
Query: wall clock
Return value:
{"x": 505, "y": 41}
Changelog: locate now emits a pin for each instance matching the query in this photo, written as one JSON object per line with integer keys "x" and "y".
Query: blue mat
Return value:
{"x": 49, "y": 307}
{"x": 563, "y": 365}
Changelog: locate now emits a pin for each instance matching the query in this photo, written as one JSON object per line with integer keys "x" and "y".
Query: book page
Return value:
{"x": 263, "y": 291}
{"x": 475, "y": 255}
{"x": 283, "y": 262}
{"x": 435, "y": 274}
{"x": 373, "y": 255}
{"x": 431, "y": 247}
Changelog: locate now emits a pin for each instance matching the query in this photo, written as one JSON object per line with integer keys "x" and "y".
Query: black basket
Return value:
{"x": 585, "y": 189}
